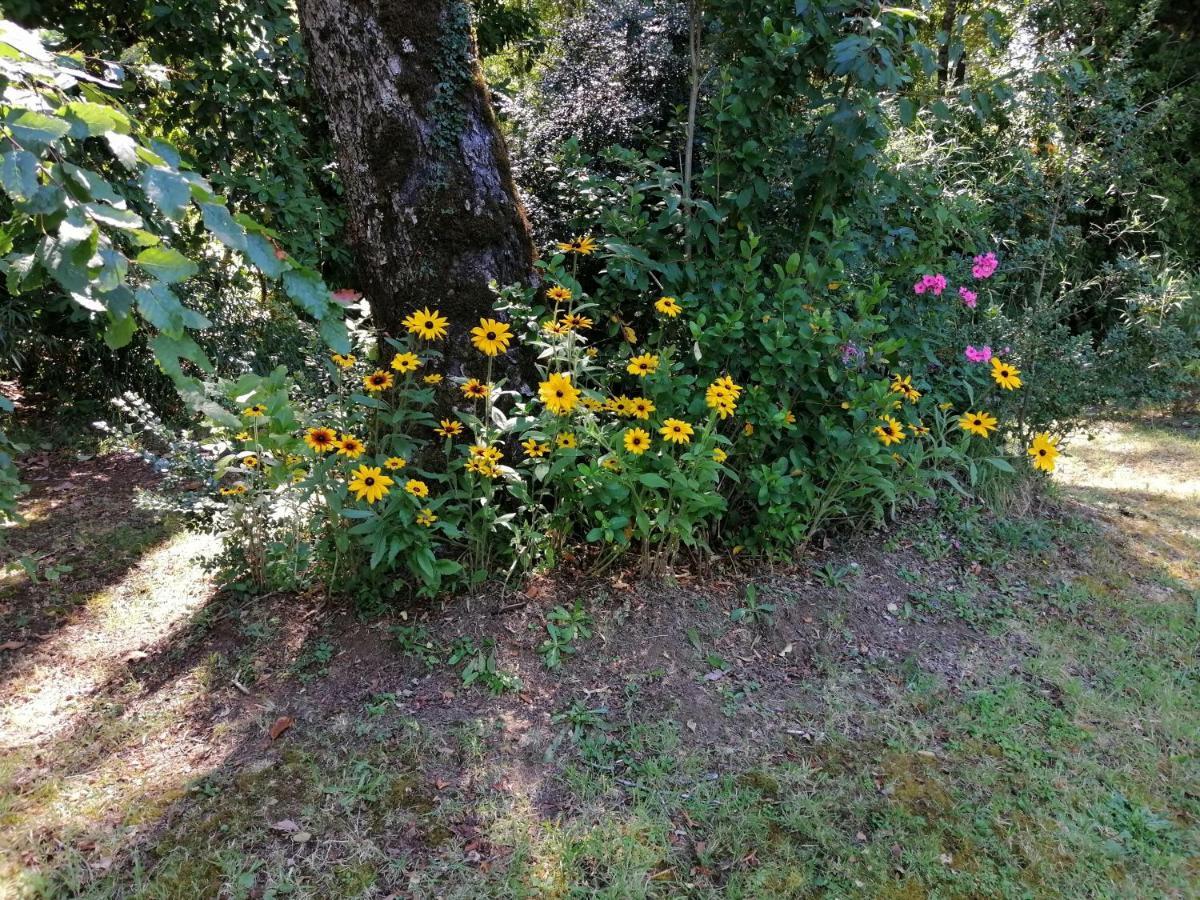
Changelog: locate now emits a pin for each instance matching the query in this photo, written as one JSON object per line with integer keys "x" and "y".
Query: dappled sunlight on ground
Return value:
{"x": 48, "y": 686}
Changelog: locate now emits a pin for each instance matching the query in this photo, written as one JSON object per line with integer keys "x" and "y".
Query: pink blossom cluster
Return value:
{"x": 969, "y": 298}
{"x": 978, "y": 354}
{"x": 936, "y": 283}
{"x": 984, "y": 265}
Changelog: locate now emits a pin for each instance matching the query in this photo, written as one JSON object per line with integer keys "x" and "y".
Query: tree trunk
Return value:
{"x": 943, "y": 70}
{"x": 433, "y": 211}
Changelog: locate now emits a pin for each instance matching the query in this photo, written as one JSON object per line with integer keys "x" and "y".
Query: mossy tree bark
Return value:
{"x": 433, "y": 210}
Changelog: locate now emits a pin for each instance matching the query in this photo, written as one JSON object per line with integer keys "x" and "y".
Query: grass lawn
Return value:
{"x": 963, "y": 705}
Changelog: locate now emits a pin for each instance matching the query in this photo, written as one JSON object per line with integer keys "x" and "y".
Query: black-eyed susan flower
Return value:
{"x": 640, "y": 407}
{"x": 533, "y": 449}
{"x": 378, "y": 380}
{"x": 592, "y": 403}
{"x": 448, "y": 428}
{"x": 719, "y": 455}
{"x": 641, "y": 366}
{"x": 490, "y": 337}
{"x": 350, "y": 446}
{"x": 610, "y": 463}
{"x": 618, "y": 405}
{"x": 1005, "y": 374}
{"x": 395, "y": 463}
{"x": 369, "y": 483}
{"x": 250, "y": 461}
{"x": 433, "y": 378}
{"x": 576, "y": 322}
{"x": 559, "y": 395}
{"x": 668, "y": 306}
{"x": 242, "y": 436}
{"x": 298, "y": 475}
{"x": 566, "y": 441}
{"x": 321, "y": 439}
{"x": 426, "y": 518}
{"x": 406, "y": 362}
{"x": 890, "y": 431}
{"x": 559, "y": 294}
{"x": 637, "y": 441}
{"x": 480, "y": 466}
{"x": 789, "y": 417}
{"x": 555, "y": 326}
{"x": 427, "y": 324}
{"x": 233, "y": 490}
{"x": 416, "y": 487}
{"x": 979, "y": 423}
{"x": 474, "y": 389}
{"x": 1043, "y": 451}
{"x": 904, "y": 386}
{"x": 258, "y": 410}
{"x": 676, "y": 431}
{"x": 343, "y": 360}
{"x": 581, "y": 244}
{"x": 747, "y": 429}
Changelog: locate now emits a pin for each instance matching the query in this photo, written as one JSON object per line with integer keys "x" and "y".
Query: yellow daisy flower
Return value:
{"x": 427, "y": 324}
{"x": 668, "y": 306}
{"x": 719, "y": 455}
{"x": 448, "y": 428}
{"x": 233, "y": 491}
{"x": 1005, "y": 374}
{"x": 533, "y": 449}
{"x": 559, "y": 395}
{"x": 475, "y": 389}
{"x": 426, "y": 518}
{"x": 433, "y": 378}
{"x": 321, "y": 439}
{"x": 676, "y": 431}
{"x": 350, "y": 446}
{"x": 416, "y": 487}
{"x": 566, "y": 441}
{"x": 406, "y": 362}
{"x": 577, "y": 322}
{"x": 890, "y": 432}
{"x": 254, "y": 412}
{"x": 392, "y": 463}
{"x": 1044, "y": 451}
{"x": 378, "y": 380}
{"x": 343, "y": 361}
{"x": 637, "y": 441}
{"x": 643, "y": 365}
{"x": 490, "y": 337}
{"x": 250, "y": 461}
{"x": 369, "y": 483}
{"x": 979, "y": 423}
{"x": 640, "y": 408}
{"x": 583, "y": 245}
{"x": 559, "y": 294}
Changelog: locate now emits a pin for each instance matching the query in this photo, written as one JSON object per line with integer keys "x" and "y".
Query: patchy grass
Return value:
{"x": 980, "y": 707}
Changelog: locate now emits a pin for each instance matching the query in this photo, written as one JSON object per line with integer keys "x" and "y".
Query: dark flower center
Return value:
{"x": 1041, "y": 453}
{"x": 368, "y": 481}
{"x": 491, "y": 335}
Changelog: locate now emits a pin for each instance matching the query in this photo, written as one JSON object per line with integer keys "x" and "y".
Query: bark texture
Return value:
{"x": 433, "y": 210}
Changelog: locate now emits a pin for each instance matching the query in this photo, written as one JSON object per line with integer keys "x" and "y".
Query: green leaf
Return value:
{"x": 124, "y": 148}
{"x": 1000, "y": 463}
{"x": 92, "y": 119}
{"x": 18, "y": 174}
{"x": 109, "y": 215}
{"x": 308, "y": 291}
{"x": 168, "y": 190}
{"x": 162, "y": 309}
{"x": 220, "y": 223}
{"x": 166, "y": 264}
{"x": 120, "y": 331}
{"x": 113, "y": 269}
{"x": 30, "y": 127}
{"x": 649, "y": 479}
{"x": 335, "y": 335}
{"x": 261, "y": 253}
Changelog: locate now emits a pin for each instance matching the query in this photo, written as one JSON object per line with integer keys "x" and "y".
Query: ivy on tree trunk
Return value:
{"x": 433, "y": 211}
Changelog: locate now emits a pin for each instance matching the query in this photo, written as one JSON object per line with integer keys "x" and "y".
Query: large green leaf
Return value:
{"x": 29, "y": 127}
{"x": 261, "y": 253}
{"x": 18, "y": 174}
{"x": 220, "y": 223}
{"x": 308, "y": 291}
{"x": 162, "y": 309}
{"x": 168, "y": 190}
{"x": 92, "y": 119}
{"x": 166, "y": 264}
{"x": 120, "y": 331}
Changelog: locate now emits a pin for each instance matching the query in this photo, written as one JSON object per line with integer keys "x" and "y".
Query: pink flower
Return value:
{"x": 984, "y": 265}
{"x": 969, "y": 298}
{"x": 978, "y": 354}
{"x": 935, "y": 283}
